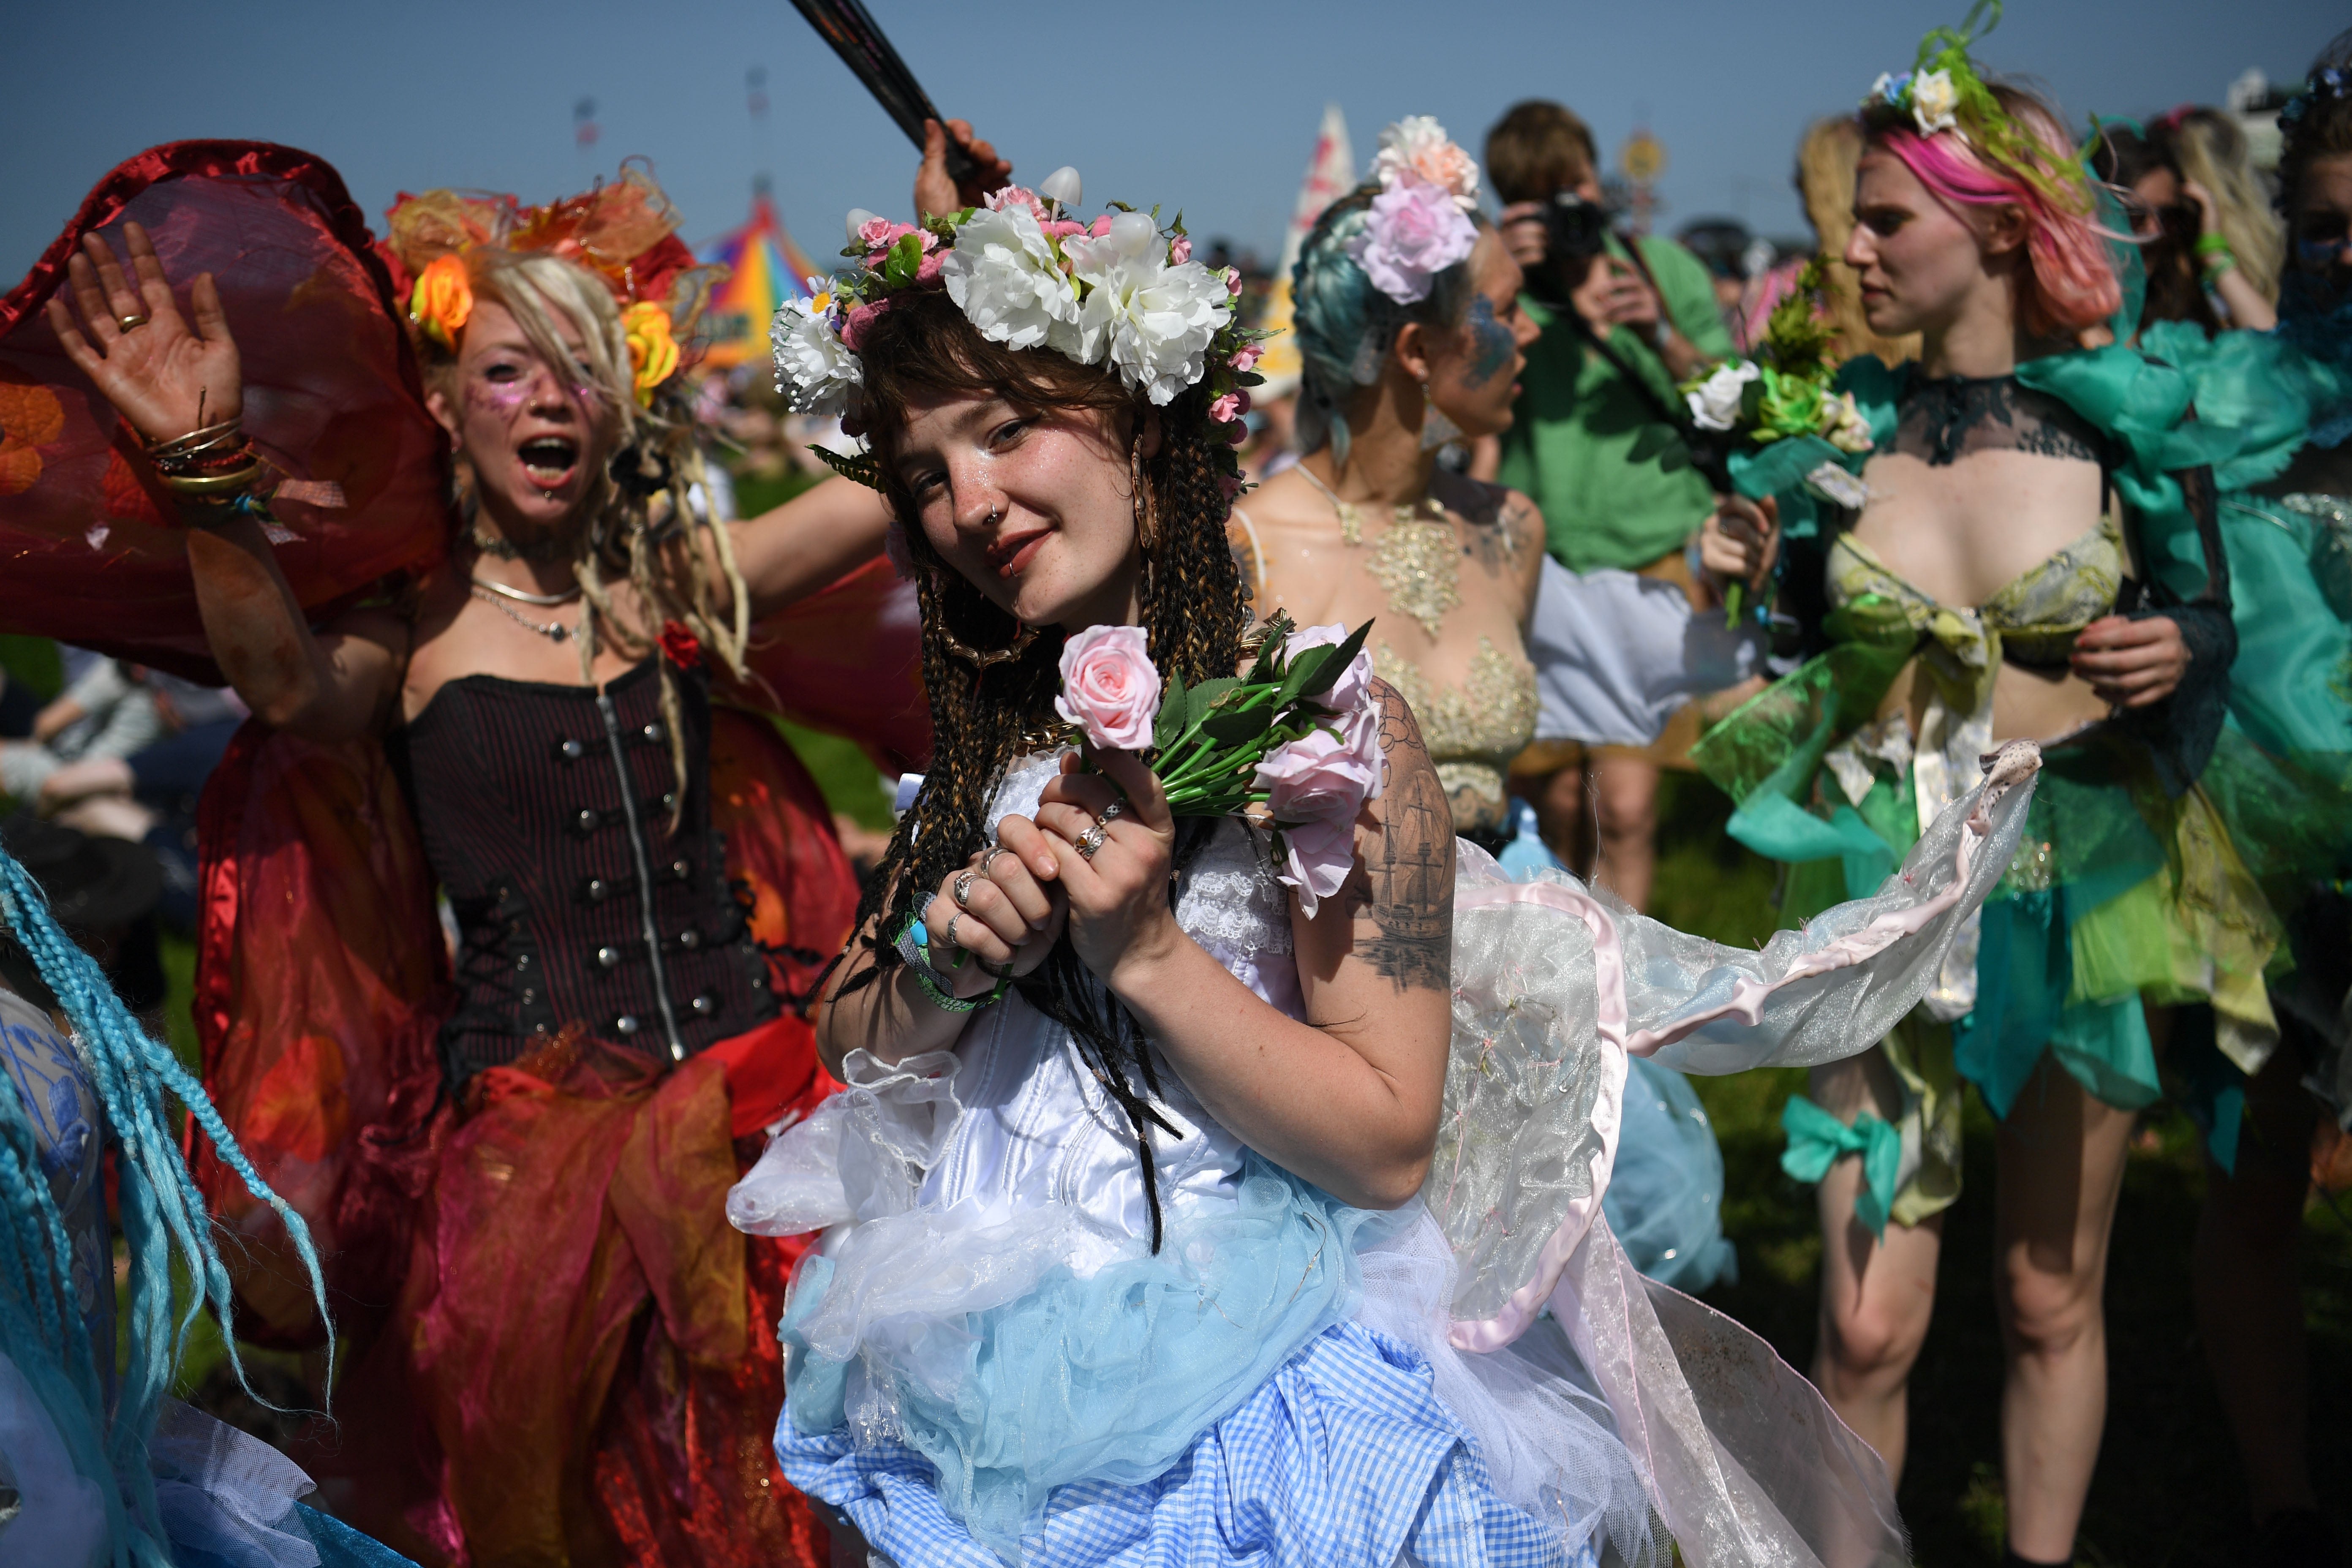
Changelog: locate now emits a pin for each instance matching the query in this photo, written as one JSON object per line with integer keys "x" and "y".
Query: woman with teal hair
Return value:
{"x": 104, "y": 1466}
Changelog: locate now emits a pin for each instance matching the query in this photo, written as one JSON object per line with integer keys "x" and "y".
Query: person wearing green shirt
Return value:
{"x": 1597, "y": 387}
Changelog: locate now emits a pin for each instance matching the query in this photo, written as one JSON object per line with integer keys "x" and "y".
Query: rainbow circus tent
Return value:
{"x": 766, "y": 268}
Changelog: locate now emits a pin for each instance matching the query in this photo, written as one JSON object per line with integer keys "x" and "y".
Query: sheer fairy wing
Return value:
{"x": 782, "y": 848}
{"x": 848, "y": 660}
{"x": 1554, "y": 988}
{"x": 332, "y": 400}
{"x": 321, "y": 984}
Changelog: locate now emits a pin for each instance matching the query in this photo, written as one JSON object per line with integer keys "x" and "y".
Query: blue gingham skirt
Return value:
{"x": 1343, "y": 1456}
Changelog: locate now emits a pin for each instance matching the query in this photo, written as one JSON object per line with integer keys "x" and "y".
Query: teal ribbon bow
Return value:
{"x": 1818, "y": 1141}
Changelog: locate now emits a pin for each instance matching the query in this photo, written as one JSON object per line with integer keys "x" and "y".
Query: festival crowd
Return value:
{"x": 1240, "y": 1112}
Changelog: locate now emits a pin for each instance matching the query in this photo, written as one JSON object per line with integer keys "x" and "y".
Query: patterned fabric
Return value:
{"x": 1473, "y": 731}
{"x": 1344, "y": 1456}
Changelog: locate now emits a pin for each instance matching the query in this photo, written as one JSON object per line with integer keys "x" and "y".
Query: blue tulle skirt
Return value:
{"x": 1342, "y": 1456}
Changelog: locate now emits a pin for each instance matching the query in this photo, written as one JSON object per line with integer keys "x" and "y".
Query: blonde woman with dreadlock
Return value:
{"x": 576, "y": 1351}
{"x": 1196, "y": 1200}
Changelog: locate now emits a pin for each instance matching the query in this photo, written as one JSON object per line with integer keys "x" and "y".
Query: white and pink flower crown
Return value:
{"x": 1119, "y": 291}
{"x": 1420, "y": 223}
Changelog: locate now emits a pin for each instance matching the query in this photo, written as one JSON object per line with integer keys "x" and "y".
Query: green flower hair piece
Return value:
{"x": 1945, "y": 90}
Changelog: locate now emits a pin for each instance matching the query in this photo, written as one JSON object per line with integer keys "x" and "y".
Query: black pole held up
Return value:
{"x": 862, "y": 47}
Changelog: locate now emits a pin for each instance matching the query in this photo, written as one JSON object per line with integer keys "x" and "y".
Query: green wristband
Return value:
{"x": 2213, "y": 244}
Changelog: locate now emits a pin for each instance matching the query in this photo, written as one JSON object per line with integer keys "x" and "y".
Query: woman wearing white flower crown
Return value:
{"x": 1185, "y": 1205}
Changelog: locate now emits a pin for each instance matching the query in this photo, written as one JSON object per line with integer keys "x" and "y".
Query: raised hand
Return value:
{"x": 936, "y": 194}
{"x": 161, "y": 374}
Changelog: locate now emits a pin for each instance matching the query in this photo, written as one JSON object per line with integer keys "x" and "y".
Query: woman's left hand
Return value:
{"x": 1119, "y": 911}
{"x": 2132, "y": 664}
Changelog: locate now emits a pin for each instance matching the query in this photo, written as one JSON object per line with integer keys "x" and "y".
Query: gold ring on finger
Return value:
{"x": 127, "y": 322}
{"x": 960, "y": 889}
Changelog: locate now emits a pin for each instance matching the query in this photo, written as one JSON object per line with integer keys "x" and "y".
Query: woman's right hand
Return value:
{"x": 162, "y": 375}
{"x": 1741, "y": 540}
{"x": 1012, "y": 912}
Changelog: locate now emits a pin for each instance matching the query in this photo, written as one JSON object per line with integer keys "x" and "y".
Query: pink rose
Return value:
{"x": 1317, "y": 859}
{"x": 1180, "y": 250}
{"x": 853, "y": 330}
{"x": 1016, "y": 196}
{"x": 1414, "y": 233}
{"x": 1110, "y": 688}
{"x": 1322, "y": 776}
{"x": 1248, "y": 356}
{"x": 1062, "y": 227}
{"x": 1230, "y": 408}
{"x": 1352, "y": 692}
{"x": 1101, "y": 228}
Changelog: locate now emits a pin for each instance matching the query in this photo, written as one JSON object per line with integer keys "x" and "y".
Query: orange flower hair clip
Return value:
{"x": 443, "y": 299}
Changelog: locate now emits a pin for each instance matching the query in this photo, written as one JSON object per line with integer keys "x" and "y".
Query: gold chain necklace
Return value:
{"x": 1418, "y": 560}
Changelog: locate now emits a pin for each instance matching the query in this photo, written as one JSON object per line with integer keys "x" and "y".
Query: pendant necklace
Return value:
{"x": 554, "y": 631}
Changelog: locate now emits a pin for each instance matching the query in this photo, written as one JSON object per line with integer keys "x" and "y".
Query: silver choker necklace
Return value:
{"x": 554, "y": 631}
{"x": 519, "y": 597}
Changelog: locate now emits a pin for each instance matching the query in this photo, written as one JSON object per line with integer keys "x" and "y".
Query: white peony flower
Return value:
{"x": 1418, "y": 145}
{"x": 1933, "y": 104}
{"x": 1714, "y": 401}
{"x": 1151, "y": 319}
{"x": 1004, "y": 275}
{"x": 1844, "y": 426}
{"x": 814, "y": 370}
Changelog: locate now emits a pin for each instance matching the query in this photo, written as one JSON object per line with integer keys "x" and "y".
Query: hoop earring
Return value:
{"x": 1147, "y": 506}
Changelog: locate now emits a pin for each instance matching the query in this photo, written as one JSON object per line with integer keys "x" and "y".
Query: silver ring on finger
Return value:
{"x": 954, "y": 940}
{"x": 989, "y": 859}
{"x": 1116, "y": 808}
{"x": 960, "y": 889}
{"x": 1090, "y": 841}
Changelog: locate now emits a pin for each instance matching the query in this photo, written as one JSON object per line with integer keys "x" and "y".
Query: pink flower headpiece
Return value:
{"x": 1420, "y": 223}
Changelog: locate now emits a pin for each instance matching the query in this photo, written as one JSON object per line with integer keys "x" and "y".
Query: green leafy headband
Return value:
{"x": 1945, "y": 92}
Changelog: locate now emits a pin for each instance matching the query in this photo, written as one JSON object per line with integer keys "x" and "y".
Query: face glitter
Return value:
{"x": 1492, "y": 342}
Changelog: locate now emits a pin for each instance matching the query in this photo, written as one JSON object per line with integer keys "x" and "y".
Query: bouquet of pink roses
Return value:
{"x": 1296, "y": 739}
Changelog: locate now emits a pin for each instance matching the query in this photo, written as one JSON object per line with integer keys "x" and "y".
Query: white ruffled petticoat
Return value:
{"x": 985, "y": 1362}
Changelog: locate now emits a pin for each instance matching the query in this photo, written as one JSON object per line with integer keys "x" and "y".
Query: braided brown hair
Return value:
{"x": 1193, "y": 612}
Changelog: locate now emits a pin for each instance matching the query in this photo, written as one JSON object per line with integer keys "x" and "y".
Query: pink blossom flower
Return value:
{"x": 1317, "y": 859}
{"x": 1230, "y": 408}
{"x": 853, "y": 330}
{"x": 1325, "y": 775}
{"x": 1101, "y": 228}
{"x": 1234, "y": 281}
{"x": 1350, "y": 694}
{"x": 1230, "y": 484}
{"x": 1110, "y": 688}
{"x": 1015, "y": 196}
{"x": 1414, "y": 233}
{"x": 1247, "y": 356}
{"x": 1180, "y": 250}
{"x": 1062, "y": 227}
{"x": 928, "y": 272}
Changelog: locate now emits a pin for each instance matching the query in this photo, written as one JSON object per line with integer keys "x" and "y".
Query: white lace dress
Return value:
{"x": 986, "y": 1361}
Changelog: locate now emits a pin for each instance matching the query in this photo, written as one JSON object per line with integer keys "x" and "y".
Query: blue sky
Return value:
{"x": 1211, "y": 106}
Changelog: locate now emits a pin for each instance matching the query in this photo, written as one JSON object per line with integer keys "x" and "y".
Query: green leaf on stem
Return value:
{"x": 1236, "y": 726}
{"x": 1198, "y": 699}
{"x": 1328, "y": 669}
{"x": 1170, "y": 722}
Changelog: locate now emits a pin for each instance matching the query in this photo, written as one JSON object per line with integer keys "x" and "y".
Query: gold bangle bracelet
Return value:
{"x": 202, "y": 487}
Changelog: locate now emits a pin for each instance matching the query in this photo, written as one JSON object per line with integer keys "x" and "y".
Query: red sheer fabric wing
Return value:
{"x": 848, "y": 660}
{"x": 780, "y": 845}
{"x": 321, "y": 984}
{"x": 331, "y": 400}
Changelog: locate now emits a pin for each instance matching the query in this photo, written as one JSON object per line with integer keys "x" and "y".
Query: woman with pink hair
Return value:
{"x": 2020, "y": 554}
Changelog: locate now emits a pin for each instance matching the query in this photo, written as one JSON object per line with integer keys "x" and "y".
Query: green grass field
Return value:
{"x": 2168, "y": 1490}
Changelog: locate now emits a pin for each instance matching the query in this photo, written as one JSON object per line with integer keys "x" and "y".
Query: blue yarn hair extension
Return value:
{"x": 163, "y": 1221}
